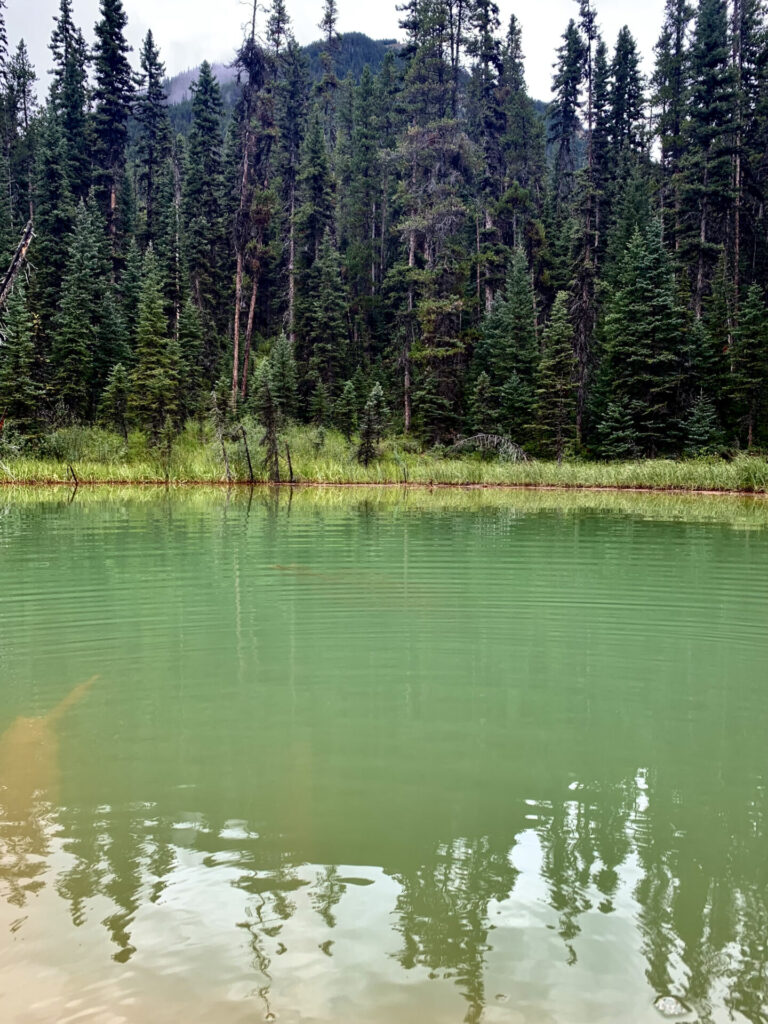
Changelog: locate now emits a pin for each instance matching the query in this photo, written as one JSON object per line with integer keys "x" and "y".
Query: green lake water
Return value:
{"x": 377, "y": 757}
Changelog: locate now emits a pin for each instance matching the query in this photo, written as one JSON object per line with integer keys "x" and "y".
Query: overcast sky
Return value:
{"x": 189, "y": 31}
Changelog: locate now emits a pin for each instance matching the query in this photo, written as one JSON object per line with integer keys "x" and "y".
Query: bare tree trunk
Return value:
{"x": 292, "y": 270}
{"x": 236, "y": 331}
{"x": 249, "y": 335}
{"x": 488, "y": 285}
{"x": 373, "y": 247}
{"x": 408, "y": 339}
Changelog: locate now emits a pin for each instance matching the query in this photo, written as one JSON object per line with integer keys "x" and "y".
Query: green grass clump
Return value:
{"x": 99, "y": 456}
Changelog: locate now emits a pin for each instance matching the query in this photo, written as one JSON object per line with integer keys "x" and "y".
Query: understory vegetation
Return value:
{"x": 420, "y": 248}
{"x": 203, "y": 453}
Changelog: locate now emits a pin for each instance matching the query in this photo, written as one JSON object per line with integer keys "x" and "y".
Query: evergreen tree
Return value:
{"x": 113, "y": 100}
{"x": 556, "y": 384}
{"x": 114, "y": 399}
{"x": 203, "y": 212}
{"x": 154, "y": 141}
{"x": 284, "y": 376}
{"x": 69, "y": 98}
{"x": 750, "y": 365}
{"x": 508, "y": 351}
{"x": 644, "y": 331}
{"x": 707, "y": 167}
{"x": 564, "y": 112}
{"x": 372, "y": 425}
{"x": 20, "y": 392}
{"x": 345, "y": 410}
{"x": 627, "y": 96}
{"x": 79, "y": 319}
{"x": 153, "y": 393}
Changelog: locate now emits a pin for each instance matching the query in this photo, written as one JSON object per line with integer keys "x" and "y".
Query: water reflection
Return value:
{"x": 699, "y": 900}
{"x": 504, "y": 767}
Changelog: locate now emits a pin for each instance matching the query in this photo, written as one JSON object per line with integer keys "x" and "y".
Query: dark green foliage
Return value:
{"x": 114, "y": 399}
{"x": 113, "y": 99}
{"x": 703, "y": 435}
{"x": 508, "y": 352}
{"x": 285, "y": 380}
{"x": 421, "y": 222}
{"x": 644, "y": 332}
{"x": 154, "y": 142}
{"x": 345, "y": 410}
{"x": 80, "y": 315}
{"x": 203, "y": 212}
{"x": 154, "y": 380}
{"x": 20, "y": 392}
{"x": 269, "y": 416}
{"x": 749, "y": 378}
{"x": 556, "y": 383}
{"x": 372, "y": 425}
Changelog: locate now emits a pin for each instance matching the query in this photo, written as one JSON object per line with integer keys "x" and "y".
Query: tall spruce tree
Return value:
{"x": 113, "y": 102}
{"x": 154, "y": 139}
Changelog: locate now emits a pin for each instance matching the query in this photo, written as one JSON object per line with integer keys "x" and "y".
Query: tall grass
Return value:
{"x": 97, "y": 456}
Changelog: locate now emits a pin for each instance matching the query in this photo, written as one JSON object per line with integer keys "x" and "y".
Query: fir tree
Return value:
{"x": 114, "y": 399}
{"x": 154, "y": 141}
{"x": 203, "y": 211}
{"x": 345, "y": 410}
{"x": 69, "y": 98}
{"x": 284, "y": 376}
{"x": 113, "y": 99}
{"x": 153, "y": 394}
{"x": 372, "y": 425}
{"x": 749, "y": 357}
{"x": 79, "y": 319}
{"x": 556, "y": 391}
{"x": 20, "y": 392}
{"x": 644, "y": 329}
{"x": 508, "y": 351}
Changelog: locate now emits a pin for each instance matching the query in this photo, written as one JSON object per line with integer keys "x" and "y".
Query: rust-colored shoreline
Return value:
{"x": 401, "y": 485}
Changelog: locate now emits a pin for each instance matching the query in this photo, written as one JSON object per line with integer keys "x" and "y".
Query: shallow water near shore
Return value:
{"x": 381, "y": 756}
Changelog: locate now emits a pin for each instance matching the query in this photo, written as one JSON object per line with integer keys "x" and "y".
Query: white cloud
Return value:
{"x": 188, "y": 31}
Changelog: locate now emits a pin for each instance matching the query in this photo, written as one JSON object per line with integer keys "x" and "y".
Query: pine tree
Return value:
{"x": 508, "y": 351}
{"x": 627, "y": 96}
{"x": 113, "y": 100}
{"x": 79, "y": 319}
{"x": 154, "y": 140}
{"x": 372, "y": 425}
{"x": 203, "y": 212}
{"x": 644, "y": 331}
{"x": 153, "y": 393}
{"x": 707, "y": 168}
{"x": 671, "y": 86}
{"x": 324, "y": 329}
{"x": 703, "y": 435}
{"x": 69, "y": 98}
{"x": 54, "y": 220}
{"x": 556, "y": 390}
{"x": 284, "y": 376}
{"x": 114, "y": 399}
{"x": 483, "y": 413}
{"x": 20, "y": 393}
{"x": 564, "y": 111}
{"x": 749, "y": 385}
{"x": 345, "y": 410}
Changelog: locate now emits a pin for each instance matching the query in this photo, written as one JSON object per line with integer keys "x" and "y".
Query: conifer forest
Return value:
{"x": 414, "y": 245}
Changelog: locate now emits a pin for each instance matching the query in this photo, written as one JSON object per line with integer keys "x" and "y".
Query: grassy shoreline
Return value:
{"x": 91, "y": 456}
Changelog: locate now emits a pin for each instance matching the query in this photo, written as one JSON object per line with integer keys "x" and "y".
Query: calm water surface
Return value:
{"x": 381, "y": 758}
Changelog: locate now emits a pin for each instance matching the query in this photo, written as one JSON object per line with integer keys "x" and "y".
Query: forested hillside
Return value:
{"x": 417, "y": 246}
